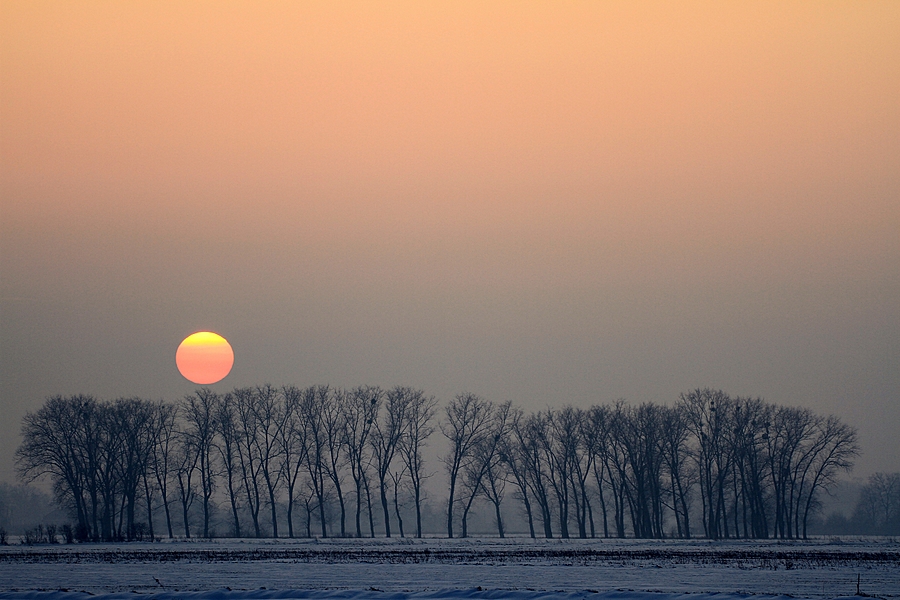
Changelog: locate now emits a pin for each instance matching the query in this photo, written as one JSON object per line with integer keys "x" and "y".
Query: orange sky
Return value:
{"x": 545, "y": 202}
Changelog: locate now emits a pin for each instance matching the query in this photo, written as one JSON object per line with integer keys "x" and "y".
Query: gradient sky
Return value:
{"x": 544, "y": 202}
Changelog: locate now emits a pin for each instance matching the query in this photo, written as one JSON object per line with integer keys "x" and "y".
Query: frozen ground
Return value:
{"x": 433, "y": 569}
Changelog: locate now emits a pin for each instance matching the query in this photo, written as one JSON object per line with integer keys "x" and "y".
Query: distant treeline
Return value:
{"x": 338, "y": 461}
{"x": 877, "y": 510}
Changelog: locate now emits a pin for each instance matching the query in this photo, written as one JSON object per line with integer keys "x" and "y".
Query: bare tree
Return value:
{"x": 596, "y": 431}
{"x": 134, "y": 419}
{"x": 386, "y": 436}
{"x": 639, "y": 432}
{"x": 786, "y": 438}
{"x": 162, "y": 457}
{"x": 269, "y": 418}
{"x": 314, "y": 398}
{"x": 420, "y": 413}
{"x": 186, "y": 457}
{"x": 616, "y": 465}
{"x": 530, "y": 441}
{"x": 51, "y": 446}
{"x": 199, "y": 415}
{"x": 674, "y": 449}
{"x": 755, "y": 467}
{"x": 707, "y": 412}
{"x": 154, "y": 435}
{"x": 293, "y": 447}
{"x": 488, "y": 457}
{"x": 747, "y": 438}
{"x": 583, "y": 465}
{"x": 397, "y": 476}
{"x": 468, "y": 419}
{"x": 569, "y": 461}
{"x": 110, "y": 448}
{"x": 227, "y": 446}
{"x": 362, "y": 405}
{"x": 484, "y": 459}
{"x": 333, "y": 420}
{"x": 877, "y": 511}
{"x": 248, "y": 452}
{"x": 834, "y": 448}
{"x": 511, "y": 453}
{"x": 556, "y": 442}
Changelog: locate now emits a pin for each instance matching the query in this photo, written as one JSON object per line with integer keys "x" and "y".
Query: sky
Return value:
{"x": 546, "y": 202}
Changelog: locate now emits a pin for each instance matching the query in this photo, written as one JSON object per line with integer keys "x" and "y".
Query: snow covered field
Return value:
{"x": 431, "y": 569}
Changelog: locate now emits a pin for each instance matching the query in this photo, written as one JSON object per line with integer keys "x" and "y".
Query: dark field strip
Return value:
{"x": 749, "y": 558}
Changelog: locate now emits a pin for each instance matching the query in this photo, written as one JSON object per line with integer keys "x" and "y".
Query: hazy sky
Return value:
{"x": 544, "y": 202}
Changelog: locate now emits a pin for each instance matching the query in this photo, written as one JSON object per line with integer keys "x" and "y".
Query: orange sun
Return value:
{"x": 204, "y": 357}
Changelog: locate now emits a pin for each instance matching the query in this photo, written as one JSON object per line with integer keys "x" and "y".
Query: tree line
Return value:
{"x": 877, "y": 510}
{"x": 339, "y": 461}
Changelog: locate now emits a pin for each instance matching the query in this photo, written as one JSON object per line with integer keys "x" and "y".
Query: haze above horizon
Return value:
{"x": 535, "y": 202}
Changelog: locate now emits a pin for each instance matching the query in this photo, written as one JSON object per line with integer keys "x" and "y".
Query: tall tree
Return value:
{"x": 531, "y": 440}
{"x": 596, "y": 431}
{"x": 834, "y": 448}
{"x": 333, "y": 420}
{"x": 555, "y": 442}
{"x": 467, "y": 420}
{"x": 155, "y": 432}
{"x": 385, "y": 440}
{"x": 674, "y": 450}
{"x": 227, "y": 448}
{"x": 877, "y": 511}
{"x": 269, "y": 418}
{"x": 293, "y": 446}
{"x": 362, "y": 405}
{"x": 314, "y": 398}
{"x": 789, "y": 433}
{"x": 134, "y": 419}
{"x": 51, "y": 447}
{"x": 199, "y": 414}
{"x": 186, "y": 457}
{"x": 511, "y": 454}
{"x": 420, "y": 413}
{"x": 489, "y": 467}
{"x": 747, "y": 439}
{"x": 248, "y": 452}
{"x": 707, "y": 412}
{"x": 162, "y": 456}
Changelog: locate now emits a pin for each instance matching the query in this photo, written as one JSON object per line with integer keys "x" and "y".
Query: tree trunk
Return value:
{"x": 384, "y": 506}
{"x": 148, "y": 496}
{"x": 530, "y": 516}
{"x": 369, "y": 508}
{"x": 450, "y": 505}
{"x": 418, "y": 511}
{"x": 397, "y": 511}
{"x": 358, "y": 509}
{"x": 274, "y": 515}
{"x": 290, "y": 512}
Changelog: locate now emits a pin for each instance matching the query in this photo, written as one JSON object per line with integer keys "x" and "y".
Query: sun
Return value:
{"x": 204, "y": 357}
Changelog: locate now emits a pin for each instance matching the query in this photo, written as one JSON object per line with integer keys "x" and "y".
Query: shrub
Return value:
{"x": 68, "y": 533}
{"x": 33, "y": 536}
{"x": 41, "y": 534}
{"x": 82, "y": 532}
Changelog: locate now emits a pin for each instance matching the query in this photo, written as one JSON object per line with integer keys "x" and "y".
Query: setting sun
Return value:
{"x": 204, "y": 357}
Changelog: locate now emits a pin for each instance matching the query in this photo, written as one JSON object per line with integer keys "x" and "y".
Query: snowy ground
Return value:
{"x": 433, "y": 569}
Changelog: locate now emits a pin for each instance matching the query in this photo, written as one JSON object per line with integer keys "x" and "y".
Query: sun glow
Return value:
{"x": 204, "y": 357}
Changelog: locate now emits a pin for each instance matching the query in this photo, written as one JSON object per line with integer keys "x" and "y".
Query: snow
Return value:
{"x": 435, "y": 569}
{"x": 469, "y": 594}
